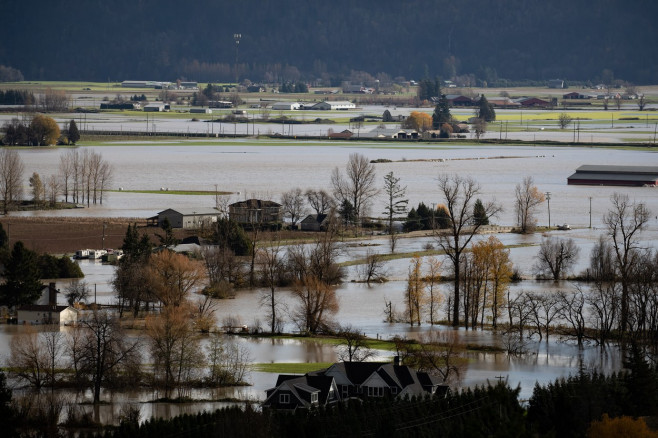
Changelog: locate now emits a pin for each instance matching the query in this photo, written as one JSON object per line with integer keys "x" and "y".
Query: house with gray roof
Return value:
{"x": 344, "y": 380}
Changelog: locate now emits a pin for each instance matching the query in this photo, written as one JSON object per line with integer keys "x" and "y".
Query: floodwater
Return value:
{"x": 270, "y": 169}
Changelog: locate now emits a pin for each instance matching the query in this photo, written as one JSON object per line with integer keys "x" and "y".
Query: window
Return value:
{"x": 394, "y": 390}
{"x": 374, "y": 391}
{"x": 284, "y": 399}
{"x": 345, "y": 390}
{"x": 314, "y": 397}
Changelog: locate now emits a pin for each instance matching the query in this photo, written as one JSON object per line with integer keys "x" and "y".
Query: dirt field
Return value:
{"x": 66, "y": 235}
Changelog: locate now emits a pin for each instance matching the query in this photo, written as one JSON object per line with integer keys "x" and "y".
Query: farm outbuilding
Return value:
{"x": 46, "y": 314}
{"x": 328, "y": 105}
{"x": 157, "y": 107}
{"x": 188, "y": 218}
{"x": 286, "y": 106}
{"x": 606, "y": 175}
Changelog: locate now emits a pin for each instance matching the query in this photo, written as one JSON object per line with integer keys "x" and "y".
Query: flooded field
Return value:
{"x": 267, "y": 170}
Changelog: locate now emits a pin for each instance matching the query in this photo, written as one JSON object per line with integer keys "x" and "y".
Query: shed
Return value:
{"x": 200, "y": 111}
{"x": 608, "y": 175}
{"x": 188, "y": 218}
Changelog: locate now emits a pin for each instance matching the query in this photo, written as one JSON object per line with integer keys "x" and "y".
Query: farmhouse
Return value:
{"x": 256, "y": 212}
{"x": 345, "y": 380}
{"x": 286, "y": 106}
{"x": 46, "y": 310}
{"x": 334, "y": 105}
{"x": 187, "y": 218}
{"x": 595, "y": 175}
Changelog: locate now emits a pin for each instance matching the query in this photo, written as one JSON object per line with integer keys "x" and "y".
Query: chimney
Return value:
{"x": 396, "y": 361}
{"x": 52, "y": 295}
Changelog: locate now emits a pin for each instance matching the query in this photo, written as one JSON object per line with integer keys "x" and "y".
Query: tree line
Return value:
{"x": 84, "y": 177}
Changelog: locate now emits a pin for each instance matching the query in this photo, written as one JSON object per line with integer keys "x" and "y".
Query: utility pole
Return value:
{"x": 236, "y": 37}
{"x": 548, "y": 199}
{"x": 590, "y": 212}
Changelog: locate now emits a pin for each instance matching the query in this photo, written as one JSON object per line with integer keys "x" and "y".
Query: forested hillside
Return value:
{"x": 290, "y": 39}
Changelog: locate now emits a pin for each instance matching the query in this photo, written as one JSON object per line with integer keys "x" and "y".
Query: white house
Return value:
{"x": 286, "y": 106}
{"x": 46, "y": 314}
{"x": 334, "y": 105}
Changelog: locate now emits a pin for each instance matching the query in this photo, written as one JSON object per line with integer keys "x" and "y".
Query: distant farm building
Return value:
{"x": 458, "y": 100}
{"x": 343, "y": 134}
{"x": 200, "y": 111}
{"x": 576, "y": 95}
{"x": 187, "y": 218}
{"x": 220, "y": 104}
{"x": 595, "y": 175}
{"x": 334, "y": 105}
{"x": 145, "y": 84}
{"x": 315, "y": 222}
{"x": 189, "y": 86}
{"x": 120, "y": 106}
{"x": 46, "y": 310}
{"x": 286, "y": 106}
{"x": 534, "y": 102}
{"x": 157, "y": 107}
{"x": 556, "y": 83}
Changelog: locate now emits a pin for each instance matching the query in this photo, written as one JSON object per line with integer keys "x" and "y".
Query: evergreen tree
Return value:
{"x": 486, "y": 110}
{"x": 230, "y": 235}
{"x": 168, "y": 238}
{"x": 347, "y": 213}
{"x": 479, "y": 213}
{"x": 22, "y": 285}
{"x": 387, "y": 117}
{"x": 135, "y": 248}
{"x": 73, "y": 134}
{"x": 441, "y": 113}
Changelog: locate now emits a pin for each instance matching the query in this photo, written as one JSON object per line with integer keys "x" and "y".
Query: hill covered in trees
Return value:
{"x": 289, "y": 40}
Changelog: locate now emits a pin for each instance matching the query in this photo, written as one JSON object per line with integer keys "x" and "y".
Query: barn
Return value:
{"x": 609, "y": 175}
{"x": 188, "y": 218}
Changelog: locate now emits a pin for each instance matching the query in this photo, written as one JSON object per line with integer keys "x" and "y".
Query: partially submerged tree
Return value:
{"x": 556, "y": 257}
{"x": 353, "y": 346}
{"x": 11, "y": 178}
{"x": 396, "y": 204}
{"x": 357, "y": 186}
{"x": 624, "y": 222}
{"x": 293, "y": 205}
{"x": 528, "y": 197}
{"x": 460, "y": 194}
{"x": 316, "y": 304}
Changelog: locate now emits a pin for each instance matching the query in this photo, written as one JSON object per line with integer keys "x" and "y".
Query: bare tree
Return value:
{"x": 432, "y": 280}
{"x": 353, "y": 346}
{"x": 174, "y": 348}
{"x": 625, "y": 221}
{"x": 53, "y": 189}
{"x": 544, "y": 308}
{"x": 396, "y": 203}
{"x": 271, "y": 272}
{"x": 479, "y": 127}
{"x": 228, "y": 361}
{"x": 38, "y": 190}
{"x": 528, "y": 197}
{"x": 28, "y": 359}
{"x": 556, "y": 257}
{"x": 440, "y": 353}
{"x": 293, "y": 205}
{"x": 373, "y": 268}
{"x": 572, "y": 312}
{"x": 11, "y": 178}
{"x": 319, "y": 200}
{"x": 357, "y": 186}
{"x": 459, "y": 194}
{"x": 603, "y": 302}
{"x": 317, "y": 303}
{"x": 641, "y": 102}
{"x": 76, "y": 292}
{"x": 104, "y": 348}
{"x": 224, "y": 270}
